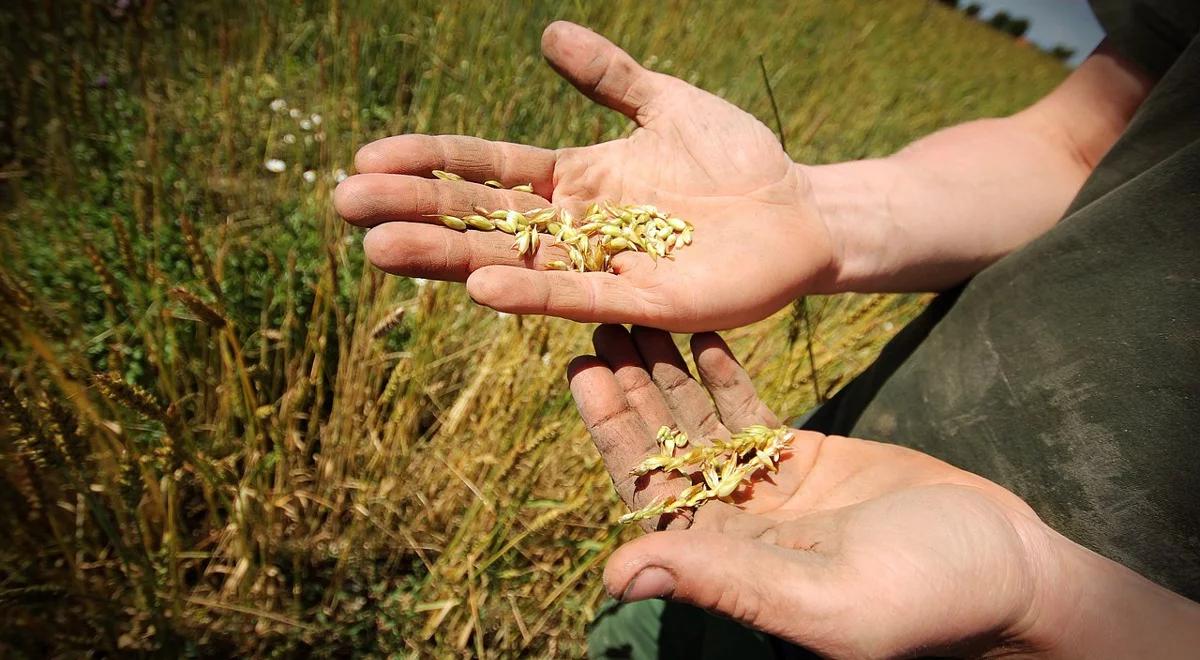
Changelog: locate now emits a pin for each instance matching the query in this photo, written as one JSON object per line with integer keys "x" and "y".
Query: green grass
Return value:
{"x": 296, "y": 486}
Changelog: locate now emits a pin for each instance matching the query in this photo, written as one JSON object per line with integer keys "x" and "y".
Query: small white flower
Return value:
{"x": 294, "y": 113}
{"x": 309, "y": 176}
{"x": 305, "y": 125}
{"x": 308, "y": 140}
{"x": 275, "y": 165}
{"x": 319, "y": 137}
{"x": 278, "y": 105}
{"x": 315, "y": 119}
{"x": 340, "y": 175}
{"x": 289, "y": 139}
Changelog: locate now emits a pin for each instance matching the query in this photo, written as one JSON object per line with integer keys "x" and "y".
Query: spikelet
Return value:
{"x": 17, "y": 296}
{"x": 197, "y": 255}
{"x": 124, "y": 245}
{"x": 201, "y": 309}
{"x": 388, "y": 323}
{"x": 108, "y": 283}
{"x": 27, "y": 431}
{"x": 116, "y": 389}
{"x": 718, "y": 469}
{"x": 607, "y": 230}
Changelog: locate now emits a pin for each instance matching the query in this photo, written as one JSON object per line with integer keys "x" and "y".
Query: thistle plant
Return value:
{"x": 717, "y": 469}
{"x": 604, "y": 230}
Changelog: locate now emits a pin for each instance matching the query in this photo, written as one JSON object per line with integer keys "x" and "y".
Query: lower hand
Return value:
{"x": 853, "y": 548}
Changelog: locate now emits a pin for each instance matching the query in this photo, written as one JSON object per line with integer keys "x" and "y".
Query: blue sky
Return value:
{"x": 1067, "y": 22}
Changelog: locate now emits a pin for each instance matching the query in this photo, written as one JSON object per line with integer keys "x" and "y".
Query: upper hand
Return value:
{"x": 853, "y": 548}
{"x": 758, "y": 243}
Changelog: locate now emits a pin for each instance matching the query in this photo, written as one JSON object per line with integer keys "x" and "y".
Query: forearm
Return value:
{"x": 949, "y": 204}
{"x": 1099, "y": 608}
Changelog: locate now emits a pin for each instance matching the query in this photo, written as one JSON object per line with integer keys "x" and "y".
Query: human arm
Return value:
{"x": 853, "y": 548}
{"x": 949, "y": 204}
{"x": 767, "y": 230}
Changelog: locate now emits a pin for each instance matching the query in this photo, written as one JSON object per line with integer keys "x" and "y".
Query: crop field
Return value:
{"x": 222, "y": 434}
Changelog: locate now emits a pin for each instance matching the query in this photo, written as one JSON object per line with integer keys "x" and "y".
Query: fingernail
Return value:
{"x": 651, "y": 582}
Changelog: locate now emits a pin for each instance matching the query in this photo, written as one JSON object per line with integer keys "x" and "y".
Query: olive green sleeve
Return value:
{"x": 1151, "y": 33}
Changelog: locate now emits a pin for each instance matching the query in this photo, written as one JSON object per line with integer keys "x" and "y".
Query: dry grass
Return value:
{"x": 220, "y": 433}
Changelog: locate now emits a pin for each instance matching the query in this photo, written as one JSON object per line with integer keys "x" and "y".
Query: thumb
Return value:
{"x": 604, "y": 73}
{"x": 758, "y": 584}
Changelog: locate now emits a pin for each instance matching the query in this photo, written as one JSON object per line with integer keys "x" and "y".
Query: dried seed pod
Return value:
{"x": 201, "y": 309}
{"x": 492, "y": 183}
{"x": 576, "y": 258}
{"x": 524, "y": 187}
{"x": 616, "y": 244}
{"x": 479, "y": 222}
{"x": 555, "y": 265}
{"x": 723, "y": 466}
{"x": 608, "y": 228}
{"x": 388, "y": 323}
{"x": 453, "y": 222}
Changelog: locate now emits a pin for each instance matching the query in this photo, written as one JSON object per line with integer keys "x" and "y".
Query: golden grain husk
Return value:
{"x": 718, "y": 470}
{"x": 614, "y": 227}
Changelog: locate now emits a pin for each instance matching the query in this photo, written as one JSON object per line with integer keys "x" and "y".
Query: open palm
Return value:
{"x": 853, "y": 548}
{"x": 693, "y": 155}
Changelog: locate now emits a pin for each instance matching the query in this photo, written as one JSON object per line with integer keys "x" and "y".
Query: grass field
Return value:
{"x": 208, "y": 450}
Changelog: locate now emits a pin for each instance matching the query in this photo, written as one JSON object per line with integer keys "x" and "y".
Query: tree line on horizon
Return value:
{"x": 1016, "y": 26}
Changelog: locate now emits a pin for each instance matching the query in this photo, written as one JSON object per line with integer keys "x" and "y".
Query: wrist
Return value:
{"x": 851, "y": 200}
{"x": 1086, "y": 605}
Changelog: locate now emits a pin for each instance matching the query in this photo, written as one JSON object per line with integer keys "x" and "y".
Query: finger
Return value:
{"x": 472, "y": 158}
{"x": 690, "y": 405}
{"x": 758, "y": 584}
{"x": 439, "y": 253}
{"x": 728, "y": 384}
{"x": 584, "y": 297}
{"x": 370, "y": 199}
{"x": 620, "y": 435}
{"x": 603, "y": 72}
{"x": 614, "y": 345}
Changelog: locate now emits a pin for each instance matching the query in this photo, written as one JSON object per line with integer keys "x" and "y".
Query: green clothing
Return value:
{"x": 1069, "y": 371}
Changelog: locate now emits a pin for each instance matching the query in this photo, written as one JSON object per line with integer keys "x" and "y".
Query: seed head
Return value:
{"x": 453, "y": 222}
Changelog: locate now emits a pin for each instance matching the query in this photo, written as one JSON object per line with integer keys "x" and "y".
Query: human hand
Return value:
{"x": 758, "y": 243}
{"x": 853, "y": 548}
